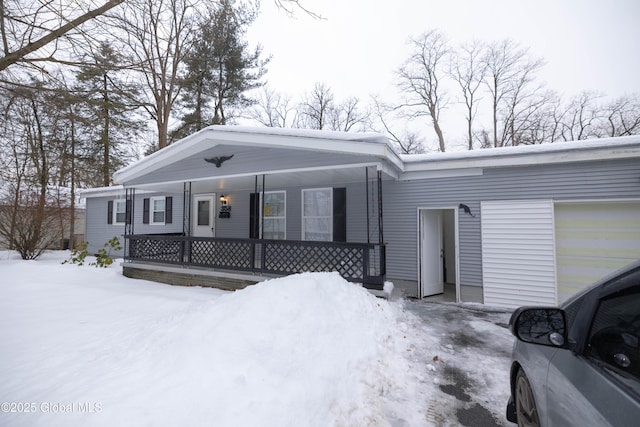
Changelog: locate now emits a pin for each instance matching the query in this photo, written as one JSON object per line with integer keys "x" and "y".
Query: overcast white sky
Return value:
{"x": 587, "y": 44}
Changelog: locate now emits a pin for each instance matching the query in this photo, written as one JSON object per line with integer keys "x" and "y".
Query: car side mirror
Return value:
{"x": 539, "y": 325}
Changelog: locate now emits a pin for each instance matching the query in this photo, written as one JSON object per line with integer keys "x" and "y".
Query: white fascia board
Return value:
{"x": 441, "y": 173}
{"x": 114, "y": 190}
{"x": 603, "y": 152}
{"x": 392, "y": 172}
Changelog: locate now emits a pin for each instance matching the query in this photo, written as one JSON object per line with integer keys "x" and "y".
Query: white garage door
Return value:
{"x": 518, "y": 258}
{"x": 593, "y": 240}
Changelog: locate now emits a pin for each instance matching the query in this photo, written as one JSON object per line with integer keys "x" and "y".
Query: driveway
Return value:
{"x": 461, "y": 356}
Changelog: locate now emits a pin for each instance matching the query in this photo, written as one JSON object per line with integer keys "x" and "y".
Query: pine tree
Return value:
{"x": 105, "y": 99}
{"x": 221, "y": 68}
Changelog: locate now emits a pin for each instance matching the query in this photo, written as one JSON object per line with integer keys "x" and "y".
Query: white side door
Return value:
{"x": 431, "y": 267}
{"x": 203, "y": 214}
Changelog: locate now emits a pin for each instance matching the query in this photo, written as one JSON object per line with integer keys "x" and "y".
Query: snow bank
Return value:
{"x": 89, "y": 347}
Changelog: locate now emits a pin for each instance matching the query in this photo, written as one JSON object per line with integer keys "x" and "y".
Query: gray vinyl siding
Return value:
{"x": 98, "y": 231}
{"x": 611, "y": 179}
{"x": 238, "y": 225}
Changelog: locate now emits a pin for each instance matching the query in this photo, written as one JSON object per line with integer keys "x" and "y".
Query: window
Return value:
{"x": 120, "y": 211}
{"x": 274, "y": 215}
{"x": 157, "y": 210}
{"x": 317, "y": 214}
{"x": 615, "y": 333}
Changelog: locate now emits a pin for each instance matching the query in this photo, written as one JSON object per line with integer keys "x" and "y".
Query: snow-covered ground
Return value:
{"x": 87, "y": 346}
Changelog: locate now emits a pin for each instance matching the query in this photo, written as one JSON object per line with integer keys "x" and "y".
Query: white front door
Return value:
{"x": 431, "y": 252}
{"x": 203, "y": 214}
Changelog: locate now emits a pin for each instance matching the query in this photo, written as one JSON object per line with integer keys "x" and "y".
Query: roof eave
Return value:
{"x": 367, "y": 144}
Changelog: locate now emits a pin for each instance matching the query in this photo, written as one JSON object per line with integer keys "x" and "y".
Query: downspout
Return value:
{"x": 130, "y": 199}
{"x": 262, "y": 211}
{"x": 382, "y": 249}
{"x": 187, "y": 207}
{"x": 366, "y": 190}
{"x": 380, "y": 222}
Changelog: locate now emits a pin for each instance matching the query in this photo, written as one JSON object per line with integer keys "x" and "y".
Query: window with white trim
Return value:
{"x": 119, "y": 211}
{"x": 157, "y": 211}
{"x": 317, "y": 214}
{"x": 274, "y": 215}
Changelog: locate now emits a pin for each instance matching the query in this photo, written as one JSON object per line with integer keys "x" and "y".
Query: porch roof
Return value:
{"x": 234, "y": 155}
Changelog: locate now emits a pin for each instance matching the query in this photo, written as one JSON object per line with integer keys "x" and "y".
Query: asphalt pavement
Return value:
{"x": 466, "y": 352}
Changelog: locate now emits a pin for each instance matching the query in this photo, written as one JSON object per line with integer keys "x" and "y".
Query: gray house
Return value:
{"x": 230, "y": 206}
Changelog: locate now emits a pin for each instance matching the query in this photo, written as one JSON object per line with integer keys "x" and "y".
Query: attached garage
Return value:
{"x": 592, "y": 240}
{"x": 540, "y": 252}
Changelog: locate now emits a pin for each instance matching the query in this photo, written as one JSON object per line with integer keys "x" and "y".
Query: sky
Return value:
{"x": 359, "y": 44}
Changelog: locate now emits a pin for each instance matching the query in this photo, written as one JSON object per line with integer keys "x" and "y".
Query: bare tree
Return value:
{"x": 290, "y": 7}
{"x": 28, "y": 217}
{"x": 347, "y": 115}
{"x": 158, "y": 34}
{"x": 510, "y": 70}
{"x": 581, "y": 117}
{"x": 622, "y": 116}
{"x": 315, "y": 109}
{"x": 408, "y": 142}
{"x": 420, "y": 79}
{"x": 25, "y": 28}
{"x": 273, "y": 109}
{"x": 468, "y": 70}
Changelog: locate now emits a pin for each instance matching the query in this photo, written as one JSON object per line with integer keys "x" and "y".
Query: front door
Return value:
{"x": 204, "y": 208}
{"x": 431, "y": 253}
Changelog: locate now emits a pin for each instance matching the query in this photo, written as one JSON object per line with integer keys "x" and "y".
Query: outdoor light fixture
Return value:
{"x": 225, "y": 209}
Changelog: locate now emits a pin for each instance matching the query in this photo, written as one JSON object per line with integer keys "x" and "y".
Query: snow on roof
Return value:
{"x": 558, "y": 147}
{"x": 378, "y": 145}
{"x": 304, "y": 133}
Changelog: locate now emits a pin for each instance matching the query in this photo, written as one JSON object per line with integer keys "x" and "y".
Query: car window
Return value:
{"x": 614, "y": 338}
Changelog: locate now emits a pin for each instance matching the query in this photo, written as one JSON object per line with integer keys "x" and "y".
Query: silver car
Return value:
{"x": 579, "y": 365}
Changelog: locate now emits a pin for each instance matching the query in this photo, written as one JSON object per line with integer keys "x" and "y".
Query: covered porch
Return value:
{"x": 357, "y": 262}
{"x": 244, "y": 226}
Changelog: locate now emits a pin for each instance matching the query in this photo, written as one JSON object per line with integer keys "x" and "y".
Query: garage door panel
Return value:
{"x": 593, "y": 240}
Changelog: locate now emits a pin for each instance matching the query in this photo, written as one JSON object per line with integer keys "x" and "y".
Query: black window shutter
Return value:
{"x": 254, "y": 215}
{"x": 339, "y": 214}
{"x": 145, "y": 211}
{"x": 168, "y": 210}
{"x": 110, "y": 212}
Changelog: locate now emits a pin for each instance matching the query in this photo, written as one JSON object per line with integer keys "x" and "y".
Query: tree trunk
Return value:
{"x": 106, "y": 176}
{"x": 72, "y": 204}
{"x": 436, "y": 127}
